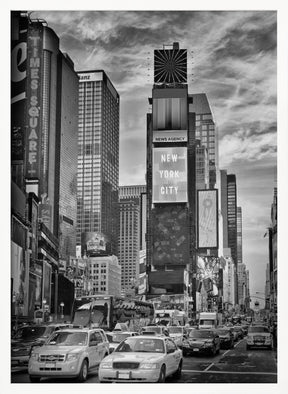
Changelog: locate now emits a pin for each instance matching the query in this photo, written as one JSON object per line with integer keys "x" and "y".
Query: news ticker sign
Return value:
{"x": 170, "y": 136}
{"x": 33, "y": 136}
{"x": 208, "y": 218}
{"x": 169, "y": 175}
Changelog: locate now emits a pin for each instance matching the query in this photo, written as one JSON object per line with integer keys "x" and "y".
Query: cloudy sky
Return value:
{"x": 231, "y": 58}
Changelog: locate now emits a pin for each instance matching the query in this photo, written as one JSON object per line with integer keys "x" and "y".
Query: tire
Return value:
{"x": 162, "y": 375}
{"x": 34, "y": 379}
{"x": 178, "y": 373}
{"x": 83, "y": 371}
{"x": 185, "y": 353}
{"x": 214, "y": 351}
{"x": 247, "y": 347}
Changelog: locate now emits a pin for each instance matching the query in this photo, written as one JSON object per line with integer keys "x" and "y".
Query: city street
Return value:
{"x": 231, "y": 366}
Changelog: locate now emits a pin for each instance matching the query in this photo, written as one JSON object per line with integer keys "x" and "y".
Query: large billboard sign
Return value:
{"x": 208, "y": 219}
{"x": 169, "y": 175}
{"x": 33, "y": 136}
{"x": 94, "y": 244}
{"x": 170, "y": 234}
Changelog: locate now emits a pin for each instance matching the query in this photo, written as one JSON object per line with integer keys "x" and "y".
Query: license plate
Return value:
{"x": 123, "y": 375}
{"x": 196, "y": 350}
{"x": 50, "y": 365}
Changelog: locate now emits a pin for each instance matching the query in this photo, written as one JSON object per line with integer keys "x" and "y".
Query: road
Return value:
{"x": 231, "y": 366}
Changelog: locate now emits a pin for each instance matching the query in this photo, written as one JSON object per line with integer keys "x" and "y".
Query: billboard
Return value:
{"x": 170, "y": 65}
{"x": 208, "y": 218}
{"x": 170, "y": 234}
{"x": 169, "y": 175}
{"x": 46, "y": 284}
{"x": 33, "y": 136}
{"x": 94, "y": 244}
{"x": 168, "y": 136}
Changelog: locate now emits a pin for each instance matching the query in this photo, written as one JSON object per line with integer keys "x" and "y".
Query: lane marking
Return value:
{"x": 229, "y": 372}
{"x": 209, "y": 366}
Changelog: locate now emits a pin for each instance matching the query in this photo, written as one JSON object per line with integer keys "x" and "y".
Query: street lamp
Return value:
{"x": 62, "y": 308}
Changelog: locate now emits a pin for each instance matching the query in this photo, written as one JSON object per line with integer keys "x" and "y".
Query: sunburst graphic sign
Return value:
{"x": 170, "y": 66}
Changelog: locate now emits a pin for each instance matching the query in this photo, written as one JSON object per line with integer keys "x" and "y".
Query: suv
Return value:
{"x": 69, "y": 353}
{"x": 26, "y": 338}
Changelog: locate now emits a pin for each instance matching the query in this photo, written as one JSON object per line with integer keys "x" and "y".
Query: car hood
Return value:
{"x": 199, "y": 340}
{"x": 259, "y": 334}
{"x": 52, "y": 349}
{"x": 134, "y": 357}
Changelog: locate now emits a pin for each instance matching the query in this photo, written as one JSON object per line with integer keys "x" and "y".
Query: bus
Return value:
{"x": 106, "y": 311}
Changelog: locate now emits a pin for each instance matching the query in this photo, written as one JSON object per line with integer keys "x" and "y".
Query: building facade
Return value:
{"x": 104, "y": 275}
{"x": 129, "y": 235}
{"x": 232, "y": 223}
{"x": 239, "y": 236}
{"x": 98, "y": 157}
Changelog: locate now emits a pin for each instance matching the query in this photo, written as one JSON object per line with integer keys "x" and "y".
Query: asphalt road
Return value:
{"x": 237, "y": 365}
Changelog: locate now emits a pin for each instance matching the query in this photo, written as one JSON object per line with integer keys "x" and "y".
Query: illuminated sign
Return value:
{"x": 208, "y": 218}
{"x": 169, "y": 175}
{"x": 33, "y": 136}
{"x": 94, "y": 243}
{"x": 89, "y": 77}
{"x": 170, "y": 136}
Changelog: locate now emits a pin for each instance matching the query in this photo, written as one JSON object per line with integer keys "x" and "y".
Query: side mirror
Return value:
{"x": 111, "y": 350}
{"x": 170, "y": 351}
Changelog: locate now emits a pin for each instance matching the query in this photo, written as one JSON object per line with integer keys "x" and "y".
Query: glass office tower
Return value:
{"x": 98, "y": 158}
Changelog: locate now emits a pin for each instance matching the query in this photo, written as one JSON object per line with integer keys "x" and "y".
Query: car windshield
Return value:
{"x": 223, "y": 332}
{"x": 149, "y": 345}
{"x": 257, "y": 329}
{"x": 201, "y": 334}
{"x": 66, "y": 338}
{"x": 30, "y": 333}
{"x": 175, "y": 330}
{"x": 117, "y": 338}
{"x": 153, "y": 329}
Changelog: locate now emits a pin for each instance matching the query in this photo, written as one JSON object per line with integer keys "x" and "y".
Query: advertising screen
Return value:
{"x": 94, "y": 244}
{"x": 208, "y": 218}
{"x": 170, "y": 230}
{"x": 169, "y": 175}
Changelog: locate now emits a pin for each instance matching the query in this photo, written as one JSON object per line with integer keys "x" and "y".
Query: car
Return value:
{"x": 178, "y": 334}
{"x": 226, "y": 338}
{"x": 69, "y": 353}
{"x": 154, "y": 330}
{"x": 201, "y": 341}
{"x": 140, "y": 359}
{"x": 259, "y": 336}
{"x": 26, "y": 338}
{"x": 234, "y": 332}
{"x": 117, "y": 337}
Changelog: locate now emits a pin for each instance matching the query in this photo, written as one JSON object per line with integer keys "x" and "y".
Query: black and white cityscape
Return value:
{"x": 143, "y": 197}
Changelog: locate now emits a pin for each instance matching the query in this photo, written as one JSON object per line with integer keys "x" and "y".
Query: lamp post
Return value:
{"x": 62, "y": 310}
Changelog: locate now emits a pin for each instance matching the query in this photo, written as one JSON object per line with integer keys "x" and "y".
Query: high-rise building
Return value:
{"x": 241, "y": 272}
{"x": 206, "y": 131}
{"x": 202, "y": 167}
{"x": 239, "y": 236}
{"x": 98, "y": 158}
{"x": 129, "y": 235}
{"x": 44, "y": 136}
{"x": 232, "y": 223}
{"x": 171, "y": 201}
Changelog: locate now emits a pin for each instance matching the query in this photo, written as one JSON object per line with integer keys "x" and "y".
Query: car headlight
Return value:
{"x": 72, "y": 356}
{"x": 208, "y": 344}
{"x": 106, "y": 365}
{"x": 149, "y": 366}
{"x": 35, "y": 356}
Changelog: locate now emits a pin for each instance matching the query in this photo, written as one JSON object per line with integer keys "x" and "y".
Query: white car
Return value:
{"x": 68, "y": 353}
{"x": 259, "y": 336}
{"x": 178, "y": 334}
{"x": 142, "y": 359}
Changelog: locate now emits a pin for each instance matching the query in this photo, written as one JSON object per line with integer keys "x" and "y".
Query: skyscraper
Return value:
{"x": 232, "y": 223}
{"x": 129, "y": 234}
{"x": 206, "y": 131}
{"x": 98, "y": 158}
{"x": 239, "y": 236}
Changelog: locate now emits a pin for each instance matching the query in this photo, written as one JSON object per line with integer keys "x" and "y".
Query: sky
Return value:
{"x": 232, "y": 57}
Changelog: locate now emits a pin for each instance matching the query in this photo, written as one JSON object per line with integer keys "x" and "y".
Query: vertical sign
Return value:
{"x": 208, "y": 218}
{"x": 33, "y": 135}
{"x": 46, "y": 283}
{"x": 170, "y": 175}
{"x": 18, "y": 84}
